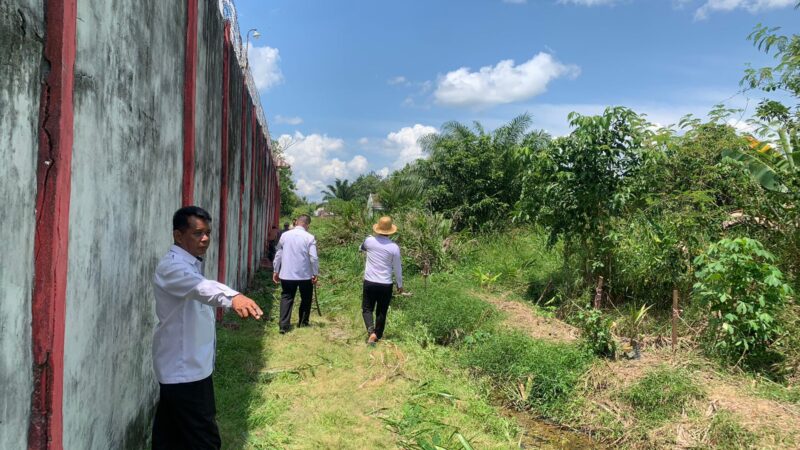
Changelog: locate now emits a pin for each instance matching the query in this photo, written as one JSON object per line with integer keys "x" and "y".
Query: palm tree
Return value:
{"x": 340, "y": 189}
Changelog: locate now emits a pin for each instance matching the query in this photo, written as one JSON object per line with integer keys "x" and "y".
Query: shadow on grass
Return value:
{"x": 242, "y": 355}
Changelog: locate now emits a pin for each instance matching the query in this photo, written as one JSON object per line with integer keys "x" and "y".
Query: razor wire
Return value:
{"x": 228, "y": 10}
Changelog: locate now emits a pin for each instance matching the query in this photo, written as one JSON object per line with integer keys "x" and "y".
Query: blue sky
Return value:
{"x": 349, "y": 85}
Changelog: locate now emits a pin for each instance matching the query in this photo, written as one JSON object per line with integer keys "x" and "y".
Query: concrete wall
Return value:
{"x": 21, "y": 45}
{"x": 126, "y": 181}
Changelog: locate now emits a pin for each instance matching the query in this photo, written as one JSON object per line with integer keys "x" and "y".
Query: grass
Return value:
{"x": 725, "y": 433}
{"x": 662, "y": 394}
{"x": 538, "y": 374}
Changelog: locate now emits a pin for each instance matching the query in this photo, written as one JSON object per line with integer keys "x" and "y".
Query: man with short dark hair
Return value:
{"x": 296, "y": 266}
{"x": 185, "y": 338}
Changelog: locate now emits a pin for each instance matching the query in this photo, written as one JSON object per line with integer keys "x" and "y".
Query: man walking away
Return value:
{"x": 383, "y": 259}
{"x": 296, "y": 266}
{"x": 185, "y": 338}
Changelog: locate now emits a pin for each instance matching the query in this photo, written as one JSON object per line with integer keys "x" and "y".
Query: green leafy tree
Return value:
{"x": 340, "y": 190}
{"x": 576, "y": 185}
{"x": 365, "y": 184}
{"x": 474, "y": 176}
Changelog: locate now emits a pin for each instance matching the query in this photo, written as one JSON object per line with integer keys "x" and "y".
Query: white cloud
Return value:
{"x": 397, "y": 80}
{"x": 363, "y": 141}
{"x": 516, "y": 2}
{"x": 404, "y": 146}
{"x": 288, "y": 120}
{"x": 264, "y": 66}
{"x": 383, "y": 173}
{"x": 753, "y": 6}
{"x": 314, "y": 164}
{"x": 503, "y": 83}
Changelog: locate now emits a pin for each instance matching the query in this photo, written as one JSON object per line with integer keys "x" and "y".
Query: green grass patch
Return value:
{"x": 447, "y": 313}
{"x": 725, "y": 433}
{"x": 539, "y": 374}
{"x": 662, "y": 394}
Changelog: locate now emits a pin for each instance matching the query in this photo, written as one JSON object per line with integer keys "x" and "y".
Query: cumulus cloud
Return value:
{"x": 314, "y": 162}
{"x": 288, "y": 120}
{"x": 752, "y": 6}
{"x": 503, "y": 83}
{"x": 404, "y": 146}
{"x": 264, "y": 66}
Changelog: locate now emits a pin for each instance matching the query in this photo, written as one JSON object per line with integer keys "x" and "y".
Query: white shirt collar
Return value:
{"x": 188, "y": 257}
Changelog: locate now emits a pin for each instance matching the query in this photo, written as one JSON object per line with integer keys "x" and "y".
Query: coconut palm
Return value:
{"x": 340, "y": 189}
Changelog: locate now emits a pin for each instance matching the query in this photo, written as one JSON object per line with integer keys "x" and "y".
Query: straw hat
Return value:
{"x": 385, "y": 226}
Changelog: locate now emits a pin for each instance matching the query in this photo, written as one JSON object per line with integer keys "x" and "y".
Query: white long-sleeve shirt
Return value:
{"x": 185, "y": 338}
{"x": 296, "y": 255}
{"x": 383, "y": 258}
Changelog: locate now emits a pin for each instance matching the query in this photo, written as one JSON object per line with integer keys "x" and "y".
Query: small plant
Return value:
{"x": 743, "y": 291}
{"x": 448, "y": 315}
{"x": 596, "y": 332}
{"x": 486, "y": 279}
{"x": 661, "y": 394}
{"x": 631, "y": 325}
{"x": 726, "y": 433}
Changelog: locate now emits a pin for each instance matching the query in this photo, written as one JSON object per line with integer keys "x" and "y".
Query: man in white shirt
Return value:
{"x": 184, "y": 343}
{"x": 383, "y": 260}
{"x": 296, "y": 266}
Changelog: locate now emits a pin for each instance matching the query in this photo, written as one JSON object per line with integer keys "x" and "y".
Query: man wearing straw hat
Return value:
{"x": 383, "y": 259}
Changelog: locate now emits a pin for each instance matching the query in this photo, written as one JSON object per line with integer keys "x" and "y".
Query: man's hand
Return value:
{"x": 246, "y": 307}
{"x": 314, "y": 279}
{"x": 275, "y": 278}
{"x": 399, "y": 290}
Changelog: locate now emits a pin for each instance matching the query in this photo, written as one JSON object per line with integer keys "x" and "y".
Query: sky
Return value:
{"x": 348, "y": 86}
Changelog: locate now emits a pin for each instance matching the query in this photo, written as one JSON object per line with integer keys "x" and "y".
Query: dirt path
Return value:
{"x": 777, "y": 424}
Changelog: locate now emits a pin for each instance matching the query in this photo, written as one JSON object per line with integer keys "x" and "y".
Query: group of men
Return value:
{"x": 184, "y": 343}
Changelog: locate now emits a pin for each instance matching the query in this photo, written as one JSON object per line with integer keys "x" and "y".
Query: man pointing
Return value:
{"x": 184, "y": 343}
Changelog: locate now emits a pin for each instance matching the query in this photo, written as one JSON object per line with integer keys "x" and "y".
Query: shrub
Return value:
{"x": 596, "y": 332}
{"x": 447, "y": 314}
{"x": 738, "y": 283}
{"x": 350, "y": 222}
{"x": 661, "y": 394}
{"x": 547, "y": 372}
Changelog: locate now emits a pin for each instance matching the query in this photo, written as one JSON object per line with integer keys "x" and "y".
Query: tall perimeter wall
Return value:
{"x": 112, "y": 116}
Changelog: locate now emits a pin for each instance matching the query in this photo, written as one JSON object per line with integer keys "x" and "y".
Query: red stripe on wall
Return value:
{"x": 189, "y": 100}
{"x": 51, "y": 238}
{"x": 225, "y": 176}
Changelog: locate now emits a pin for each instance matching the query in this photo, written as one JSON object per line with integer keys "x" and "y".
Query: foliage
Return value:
{"x": 725, "y": 433}
{"x": 403, "y": 190}
{"x": 474, "y": 176}
{"x": 578, "y": 183}
{"x": 661, "y": 394}
{"x": 486, "y": 279}
{"x": 339, "y": 190}
{"x": 365, "y": 184}
{"x": 289, "y": 200}
{"x": 742, "y": 291}
{"x": 547, "y": 371}
{"x": 596, "y": 332}
{"x": 426, "y": 240}
{"x": 349, "y": 224}
{"x": 447, "y": 314}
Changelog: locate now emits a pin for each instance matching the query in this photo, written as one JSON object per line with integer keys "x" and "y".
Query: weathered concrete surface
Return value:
{"x": 126, "y": 180}
{"x": 234, "y": 169}
{"x": 21, "y": 46}
{"x": 208, "y": 129}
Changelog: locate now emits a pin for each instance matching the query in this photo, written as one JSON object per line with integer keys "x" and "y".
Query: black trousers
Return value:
{"x": 288, "y": 291}
{"x": 185, "y": 417}
{"x": 376, "y": 298}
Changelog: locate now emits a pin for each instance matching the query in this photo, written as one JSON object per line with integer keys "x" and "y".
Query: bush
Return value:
{"x": 725, "y": 433}
{"x": 661, "y": 394}
{"x": 743, "y": 291}
{"x": 547, "y": 371}
{"x": 596, "y": 332}
{"x": 426, "y": 239}
{"x": 349, "y": 224}
{"x": 447, "y": 314}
